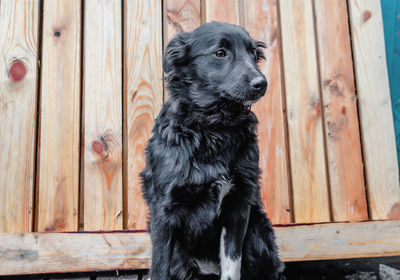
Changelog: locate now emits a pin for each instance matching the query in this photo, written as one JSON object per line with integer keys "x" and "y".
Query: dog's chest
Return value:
{"x": 221, "y": 145}
{"x": 196, "y": 200}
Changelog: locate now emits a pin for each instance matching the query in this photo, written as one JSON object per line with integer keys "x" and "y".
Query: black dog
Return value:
{"x": 201, "y": 180}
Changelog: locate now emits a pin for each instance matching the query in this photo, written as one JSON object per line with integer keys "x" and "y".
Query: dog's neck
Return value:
{"x": 222, "y": 112}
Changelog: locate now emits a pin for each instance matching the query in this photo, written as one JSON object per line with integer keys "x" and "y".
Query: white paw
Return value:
{"x": 230, "y": 268}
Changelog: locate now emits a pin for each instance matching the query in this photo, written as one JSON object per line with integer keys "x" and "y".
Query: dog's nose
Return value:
{"x": 259, "y": 84}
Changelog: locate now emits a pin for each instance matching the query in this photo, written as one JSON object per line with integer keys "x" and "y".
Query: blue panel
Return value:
{"x": 391, "y": 23}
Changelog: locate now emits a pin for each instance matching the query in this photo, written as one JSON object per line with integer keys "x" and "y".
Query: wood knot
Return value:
{"x": 57, "y": 31}
{"x": 343, "y": 110}
{"x": 17, "y": 71}
{"x": 366, "y": 16}
{"x": 97, "y": 147}
{"x": 100, "y": 148}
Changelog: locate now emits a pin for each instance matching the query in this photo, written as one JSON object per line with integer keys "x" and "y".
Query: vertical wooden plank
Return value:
{"x": 340, "y": 112}
{"x": 379, "y": 144}
{"x": 59, "y": 117}
{"x": 102, "y": 85}
{"x": 179, "y": 15}
{"x": 143, "y": 95}
{"x": 307, "y": 158}
{"x": 261, "y": 20}
{"x": 223, "y": 10}
{"x": 18, "y": 82}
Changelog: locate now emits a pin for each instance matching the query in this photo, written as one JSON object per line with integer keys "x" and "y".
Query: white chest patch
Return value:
{"x": 208, "y": 267}
{"x": 224, "y": 185}
{"x": 230, "y": 268}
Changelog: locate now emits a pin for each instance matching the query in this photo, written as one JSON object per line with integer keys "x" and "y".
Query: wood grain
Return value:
{"x": 73, "y": 252}
{"x": 260, "y": 19}
{"x": 102, "y": 115}
{"x": 18, "y": 86}
{"x": 223, "y": 10}
{"x": 344, "y": 158}
{"x": 58, "y": 169}
{"x": 77, "y": 252}
{"x": 339, "y": 240}
{"x": 377, "y": 131}
{"x": 143, "y": 95}
{"x": 179, "y": 15}
{"x": 307, "y": 157}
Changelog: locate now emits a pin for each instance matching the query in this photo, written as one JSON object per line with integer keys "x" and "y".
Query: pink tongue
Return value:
{"x": 248, "y": 108}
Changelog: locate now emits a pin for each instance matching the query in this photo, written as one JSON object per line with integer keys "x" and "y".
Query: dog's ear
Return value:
{"x": 260, "y": 53}
{"x": 176, "y": 51}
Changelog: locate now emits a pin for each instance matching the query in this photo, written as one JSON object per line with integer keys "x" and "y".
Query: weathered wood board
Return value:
{"x": 306, "y": 141}
{"x": 19, "y": 22}
{"x": 339, "y": 240}
{"x": 223, "y": 10}
{"x": 376, "y": 121}
{"x": 73, "y": 252}
{"x": 180, "y": 15}
{"x": 343, "y": 144}
{"x": 143, "y": 96}
{"x": 58, "y": 164}
{"x": 261, "y": 20}
{"x": 102, "y": 116}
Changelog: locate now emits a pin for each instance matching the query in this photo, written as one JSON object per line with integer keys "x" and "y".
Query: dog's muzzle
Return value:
{"x": 258, "y": 86}
{"x": 258, "y": 89}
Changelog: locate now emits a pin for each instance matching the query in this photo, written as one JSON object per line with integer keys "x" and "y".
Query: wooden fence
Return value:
{"x": 80, "y": 86}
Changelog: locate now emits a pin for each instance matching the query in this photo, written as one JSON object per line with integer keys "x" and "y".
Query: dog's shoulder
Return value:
{"x": 171, "y": 128}
{"x": 171, "y": 148}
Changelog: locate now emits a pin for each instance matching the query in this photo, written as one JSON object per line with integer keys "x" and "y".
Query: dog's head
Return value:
{"x": 217, "y": 61}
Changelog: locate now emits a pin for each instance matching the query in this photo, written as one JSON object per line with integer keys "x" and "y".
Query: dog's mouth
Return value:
{"x": 247, "y": 105}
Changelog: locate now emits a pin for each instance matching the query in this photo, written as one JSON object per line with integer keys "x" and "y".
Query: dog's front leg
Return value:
{"x": 163, "y": 244}
{"x": 234, "y": 228}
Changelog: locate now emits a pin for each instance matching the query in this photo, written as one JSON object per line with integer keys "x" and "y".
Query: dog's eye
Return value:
{"x": 220, "y": 53}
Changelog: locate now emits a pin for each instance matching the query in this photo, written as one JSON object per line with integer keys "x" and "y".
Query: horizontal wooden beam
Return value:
{"x": 339, "y": 240}
{"x": 73, "y": 252}
{"x": 31, "y": 253}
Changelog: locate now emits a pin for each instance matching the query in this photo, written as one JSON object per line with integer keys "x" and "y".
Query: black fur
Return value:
{"x": 204, "y": 140}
